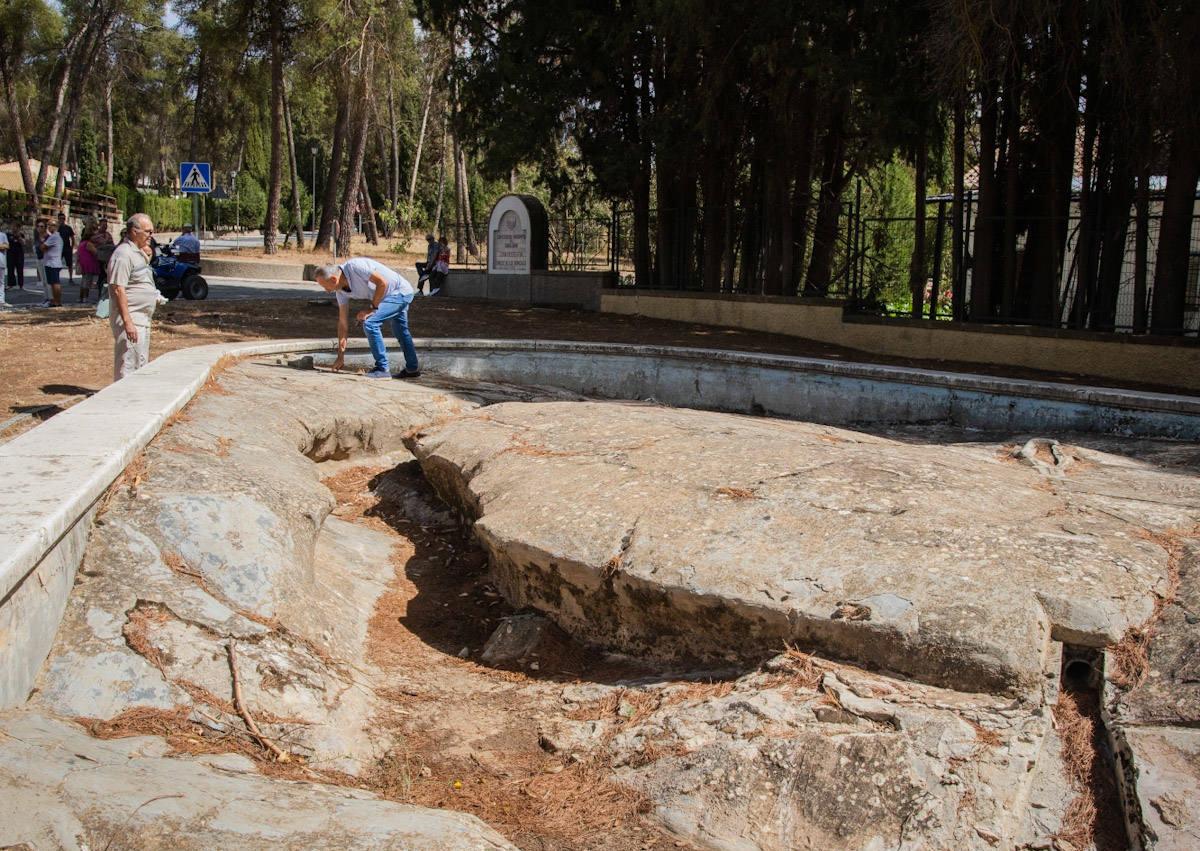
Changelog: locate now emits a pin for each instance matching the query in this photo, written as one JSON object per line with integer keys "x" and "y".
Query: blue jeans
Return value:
{"x": 395, "y": 308}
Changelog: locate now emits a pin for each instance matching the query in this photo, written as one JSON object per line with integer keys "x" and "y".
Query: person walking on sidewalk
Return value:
{"x": 134, "y": 297}
{"x": 390, "y": 296}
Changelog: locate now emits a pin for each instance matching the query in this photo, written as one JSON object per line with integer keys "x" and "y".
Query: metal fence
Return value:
{"x": 883, "y": 250}
{"x": 575, "y": 245}
{"x": 678, "y": 255}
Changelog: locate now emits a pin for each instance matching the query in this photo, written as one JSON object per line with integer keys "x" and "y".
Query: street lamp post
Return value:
{"x": 313, "y": 150}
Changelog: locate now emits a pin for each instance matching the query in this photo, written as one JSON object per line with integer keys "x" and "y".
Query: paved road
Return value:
{"x": 219, "y": 289}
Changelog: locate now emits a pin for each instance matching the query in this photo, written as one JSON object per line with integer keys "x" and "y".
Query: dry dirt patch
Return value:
{"x": 466, "y": 736}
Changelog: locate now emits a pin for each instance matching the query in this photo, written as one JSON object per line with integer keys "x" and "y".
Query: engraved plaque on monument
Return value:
{"x": 517, "y": 236}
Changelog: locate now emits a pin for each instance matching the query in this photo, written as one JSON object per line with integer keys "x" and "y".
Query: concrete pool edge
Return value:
{"x": 56, "y": 473}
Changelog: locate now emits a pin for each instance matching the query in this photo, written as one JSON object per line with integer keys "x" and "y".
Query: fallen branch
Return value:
{"x": 279, "y": 754}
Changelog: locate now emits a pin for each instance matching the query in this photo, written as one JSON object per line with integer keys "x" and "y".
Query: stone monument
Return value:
{"x": 518, "y": 236}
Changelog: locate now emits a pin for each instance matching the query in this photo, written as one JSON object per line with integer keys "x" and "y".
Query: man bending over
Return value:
{"x": 389, "y": 294}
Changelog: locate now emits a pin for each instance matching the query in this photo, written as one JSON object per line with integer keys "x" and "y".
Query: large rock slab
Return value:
{"x": 222, "y": 534}
{"x": 60, "y": 788}
{"x": 811, "y": 754}
{"x": 677, "y": 533}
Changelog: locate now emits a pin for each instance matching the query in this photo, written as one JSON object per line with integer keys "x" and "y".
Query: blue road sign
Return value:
{"x": 195, "y": 177}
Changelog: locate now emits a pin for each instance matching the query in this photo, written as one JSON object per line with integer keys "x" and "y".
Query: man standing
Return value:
{"x": 68, "y": 237}
{"x": 389, "y": 294}
{"x": 3, "y": 265}
{"x": 16, "y": 256}
{"x": 134, "y": 297}
{"x": 52, "y": 260}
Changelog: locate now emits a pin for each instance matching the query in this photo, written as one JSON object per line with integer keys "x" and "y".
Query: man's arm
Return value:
{"x": 343, "y": 332}
{"x": 376, "y": 297}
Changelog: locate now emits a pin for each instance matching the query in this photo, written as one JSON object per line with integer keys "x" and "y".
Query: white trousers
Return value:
{"x": 129, "y": 357}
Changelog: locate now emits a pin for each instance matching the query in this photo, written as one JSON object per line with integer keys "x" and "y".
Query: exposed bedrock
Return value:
{"x": 220, "y": 533}
{"x": 60, "y": 788}
{"x": 1155, "y": 724}
{"x": 677, "y": 533}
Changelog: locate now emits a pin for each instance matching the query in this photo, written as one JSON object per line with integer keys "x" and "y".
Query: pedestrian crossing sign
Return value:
{"x": 195, "y": 177}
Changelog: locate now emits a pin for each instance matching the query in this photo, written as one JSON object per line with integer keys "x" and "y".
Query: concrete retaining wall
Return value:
{"x": 53, "y": 483}
{"x": 1154, "y": 360}
{"x": 551, "y": 289}
{"x": 230, "y": 266}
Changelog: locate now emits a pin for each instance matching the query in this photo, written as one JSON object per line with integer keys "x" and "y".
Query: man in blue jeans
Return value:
{"x": 389, "y": 294}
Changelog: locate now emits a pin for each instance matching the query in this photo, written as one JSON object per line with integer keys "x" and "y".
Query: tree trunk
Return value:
{"x": 1141, "y": 251}
{"x": 18, "y": 129}
{"x": 362, "y": 121}
{"x": 957, "y": 288}
{"x": 1175, "y": 232}
{"x": 460, "y": 254}
{"x": 982, "y": 263}
{"x": 916, "y": 266}
{"x": 642, "y": 271}
{"x": 275, "y": 176}
{"x": 468, "y": 223}
{"x": 297, "y": 212}
{"x": 1012, "y": 185}
{"x": 62, "y": 86}
{"x": 416, "y": 166}
{"x": 108, "y": 130}
{"x": 833, "y": 180}
{"x": 437, "y": 213}
{"x": 197, "y": 106}
{"x": 802, "y": 190}
{"x": 370, "y": 231}
{"x": 329, "y": 208}
{"x": 394, "y": 131}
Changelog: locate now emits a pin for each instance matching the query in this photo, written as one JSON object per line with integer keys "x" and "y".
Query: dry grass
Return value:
{"x": 802, "y": 670}
{"x": 139, "y": 622}
{"x": 736, "y": 493}
{"x": 698, "y": 692}
{"x": 1131, "y": 655}
{"x": 1077, "y": 730}
{"x": 628, "y": 706}
{"x": 985, "y": 736}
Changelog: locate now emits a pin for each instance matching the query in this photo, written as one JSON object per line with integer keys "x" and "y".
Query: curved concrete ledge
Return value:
{"x": 55, "y": 474}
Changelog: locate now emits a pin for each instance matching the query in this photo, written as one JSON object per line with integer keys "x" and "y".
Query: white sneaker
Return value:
{"x": 435, "y": 292}
{"x": 45, "y": 303}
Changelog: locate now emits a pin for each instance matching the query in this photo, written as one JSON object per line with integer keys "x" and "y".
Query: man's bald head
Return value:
{"x": 139, "y": 229}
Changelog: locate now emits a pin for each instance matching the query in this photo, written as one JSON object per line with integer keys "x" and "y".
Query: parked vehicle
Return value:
{"x": 175, "y": 277}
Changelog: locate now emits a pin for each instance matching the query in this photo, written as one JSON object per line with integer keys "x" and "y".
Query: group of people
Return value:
{"x": 55, "y": 251}
{"x": 134, "y": 295}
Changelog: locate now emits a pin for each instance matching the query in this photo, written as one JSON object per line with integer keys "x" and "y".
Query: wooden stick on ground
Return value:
{"x": 280, "y": 754}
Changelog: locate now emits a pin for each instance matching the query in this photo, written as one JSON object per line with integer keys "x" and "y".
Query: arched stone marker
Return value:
{"x": 518, "y": 236}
